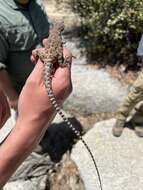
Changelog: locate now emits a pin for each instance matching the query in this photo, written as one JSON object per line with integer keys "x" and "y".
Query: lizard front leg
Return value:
{"x": 64, "y": 62}
{"x": 40, "y": 55}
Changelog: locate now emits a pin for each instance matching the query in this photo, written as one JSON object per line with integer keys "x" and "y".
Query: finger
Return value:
{"x": 67, "y": 51}
{"x": 67, "y": 55}
{"x": 62, "y": 74}
{"x": 45, "y": 41}
{"x": 34, "y": 57}
{"x": 65, "y": 71}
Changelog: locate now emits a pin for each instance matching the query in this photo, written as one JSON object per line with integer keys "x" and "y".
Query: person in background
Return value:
{"x": 23, "y": 26}
{"x": 134, "y": 97}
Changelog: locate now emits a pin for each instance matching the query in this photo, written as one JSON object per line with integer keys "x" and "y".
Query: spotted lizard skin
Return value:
{"x": 53, "y": 53}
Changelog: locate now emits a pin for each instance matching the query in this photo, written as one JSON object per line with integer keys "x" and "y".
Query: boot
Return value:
{"x": 137, "y": 123}
{"x": 118, "y": 127}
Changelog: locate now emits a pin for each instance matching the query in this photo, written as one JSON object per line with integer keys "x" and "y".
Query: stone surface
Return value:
{"x": 120, "y": 160}
{"x": 66, "y": 176}
{"x": 94, "y": 91}
{"x": 20, "y": 185}
{"x": 32, "y": 174}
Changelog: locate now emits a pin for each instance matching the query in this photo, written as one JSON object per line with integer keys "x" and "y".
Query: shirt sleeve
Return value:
{"x": 3, "y": 48}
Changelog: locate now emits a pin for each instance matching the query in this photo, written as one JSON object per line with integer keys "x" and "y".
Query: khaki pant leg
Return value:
{"x": 137, "y": 118}
{"x": 134, "y": 97}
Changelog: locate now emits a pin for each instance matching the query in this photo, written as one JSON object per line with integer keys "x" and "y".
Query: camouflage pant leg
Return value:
{"x": 135, "y": 96}
{"x": 137, "y": 117}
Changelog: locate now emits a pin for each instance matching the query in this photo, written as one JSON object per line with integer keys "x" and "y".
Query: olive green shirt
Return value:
{"x": 21, "y": 31}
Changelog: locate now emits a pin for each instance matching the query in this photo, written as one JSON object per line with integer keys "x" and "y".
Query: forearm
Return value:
{"x": 6, "y": 84}
{"x": 19, "y": 144}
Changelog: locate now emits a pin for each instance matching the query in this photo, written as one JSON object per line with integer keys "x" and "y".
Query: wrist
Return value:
{"x": 35, "y": 117}
{"x": 35, "y": 127}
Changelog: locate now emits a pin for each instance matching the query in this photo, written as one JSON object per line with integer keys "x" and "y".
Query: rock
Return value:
{"x": 66, "y": 176}
{"x": 20, "y": 185}
{"x": 119, "y": 160}
{"x": 94, "y": 91}
{"x": 34, "y": 166}
{"x": 32, "y": 174}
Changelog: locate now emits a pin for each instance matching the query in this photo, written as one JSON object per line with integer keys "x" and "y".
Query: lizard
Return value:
{"x": 54, "y": 51}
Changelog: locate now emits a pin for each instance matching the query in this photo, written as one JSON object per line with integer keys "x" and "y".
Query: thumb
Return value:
{"x": 45, "y": 41}
{"x": 34, "y": 57}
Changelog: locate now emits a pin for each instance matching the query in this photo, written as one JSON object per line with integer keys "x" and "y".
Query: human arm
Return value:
{"x": 35, "y": 113}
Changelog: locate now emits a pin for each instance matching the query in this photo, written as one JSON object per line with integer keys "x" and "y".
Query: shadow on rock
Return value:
{"x": 129, "y": 125}
{"x": 59, "y": 138}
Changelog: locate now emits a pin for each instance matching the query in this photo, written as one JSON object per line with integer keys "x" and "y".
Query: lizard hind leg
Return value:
{"x": 67, "y": 61}
{"x": 63, "y": 62}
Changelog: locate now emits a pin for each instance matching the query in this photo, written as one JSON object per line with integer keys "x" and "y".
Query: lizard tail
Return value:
{"x": 48, "y": 85}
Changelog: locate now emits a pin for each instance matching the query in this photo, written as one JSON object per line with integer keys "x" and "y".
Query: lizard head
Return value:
{"x": 59, "y": 25}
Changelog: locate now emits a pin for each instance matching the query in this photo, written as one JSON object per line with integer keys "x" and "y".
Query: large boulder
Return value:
{"x": 120, "y": 160}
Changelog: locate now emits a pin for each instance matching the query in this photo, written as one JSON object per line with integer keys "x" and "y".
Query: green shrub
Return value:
{"x": 112, "y": 27}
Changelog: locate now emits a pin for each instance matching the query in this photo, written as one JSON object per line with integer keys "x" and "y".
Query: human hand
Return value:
{"x": 4, "y": 109}
{"x": 34, "y": 103}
